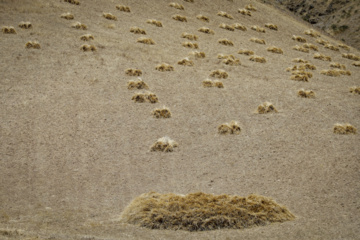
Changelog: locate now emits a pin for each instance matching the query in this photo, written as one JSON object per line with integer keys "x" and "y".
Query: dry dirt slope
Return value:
{"x": 75, "y": 147}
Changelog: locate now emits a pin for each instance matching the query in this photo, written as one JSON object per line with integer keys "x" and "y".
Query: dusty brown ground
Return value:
{"x": 75, "y": 148}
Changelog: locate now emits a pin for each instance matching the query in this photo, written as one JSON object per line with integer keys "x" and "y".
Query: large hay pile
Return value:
{"x": 200, "y": 211}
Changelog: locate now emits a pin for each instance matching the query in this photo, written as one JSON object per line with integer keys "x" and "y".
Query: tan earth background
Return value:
{"x": 75, "y": 148}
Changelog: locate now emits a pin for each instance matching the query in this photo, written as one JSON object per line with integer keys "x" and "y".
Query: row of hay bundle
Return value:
{"x": 229, "y": 128}
{"x": 274, "y": 49}
{"x": 232, "y": 61}
{"x": 246, "y": 52}
{"x": 164, "y": 144}
{"x": 344, "y": 46}
{"x": 75, "y": 2}
{"x": 144, "y": 40}
{"x": 177, "y": 6}
{"x": 179, "y": 18}
{"x": 219, "y": 74}
{"x": 198, "y": 54}
{"x": 189, "y": 36}
{"x": 337, "y": 65}
{"x": 346, "y": 128}
{"x": 190, "y": 1}
{"x": 301, "y": 67}
{"x": 322, "y": 41}
{"x": 8, "y": 29}
{"x": 164, "y": 67}
{"x": 271, "y": 26}
{"x": 301, "y": 49}
{"x": 258, "y": 59}
{"x": 147, "y": 96}
{"x": 322, "y": 57}
{"x": 201, "y": 211}
{"x": 154, "y": 22}
{"x": 137, "y": 84}
{"x": 312, "y": 33}
{"x": 25, "y": 25}
{"x": 250, "y": 7}
{"x": 186, "y": 62}
{"x": 351, "y": 56}
{"x": 298, "y": 38}
{"x": 163, "y": 112}
{"x": 33, "y": 44}
{"x": 137, "y": 30}
{"x": 206, "y": 30}
{"x": 109, "y": 16}
{"x": 332, "y": 47}
{"x": 306, "y": 93}
{"x": 133, "y": 72}
{"x": 299, "y": 60}
{"x": 244, "y": 11}
{"x": 227, "y": 27}
{"x": 300, "y": 77}
{"x": 266, "y": 107}
{"x": 203, "y": 18}
{"x": 335, "y": 72}
{"x": 67, "y": 16}
{"x": 258, "y": 29}
{"x": 79, "y": 25}
{"x": 88, "y": 48}
{"x": 257, "y": 40}
{"x": 356, "y": 64}
{"x": 239, "y": 26}
{"x": 225, "y": 42}
{"x": 302, "y": 72}
{"x": 311, "y": 46}
{"x": 355, "y": 90}
{"x": 209, "y": 83}
{"x": 123, "y": 8}
{"x": 190, "y": 45}
{"x": 87, "y": 37}
{"x": 225, "y": 15}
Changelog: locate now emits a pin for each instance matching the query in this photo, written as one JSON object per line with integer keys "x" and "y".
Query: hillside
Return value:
{"x": 75, "y": 146}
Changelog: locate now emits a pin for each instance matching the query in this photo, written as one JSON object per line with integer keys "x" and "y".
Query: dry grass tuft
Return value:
{"x": 198, "y": 54}
{"x": 123, "y": 8}
{"x": 133, "y": 72}
{"x": 203, "y": 18}
{"x": 179, "y": 18}
{"x": 337, "y": 65}
{"x": 258, "y": 29}
{"x": 229, "y": 128}
{"x": 250, "y": 7}
{"x": 306, "y": 93}
{"x": 206, "y": 30}
{"x": 244, "y": 12}
{"x": 227, "y": 27}
{"x": 298, "y": 39}
{"x": 225, "y": 42}
{"x": 154, "y": 22}
{"x": 351, "y": 56}
{"x": 67, "y": 16}
{"x": 141, "y": 97}
{"x": 344, "y": 129}
{"x": 356, "y": 64}
{"x": 109, "y": 16}
{"x": 190, "y": 45}
{"x": 88, "y": 48}
{"x": 164, "y": 67}
{"x": 344, "y": 46}
{"x": 266, "y": 107}
{"x": 331, "y": 72}
{"x": 355, "y": 90}
{"x": 189, "y": 36}
{"x": 321, "y": 41}
{"x": 186, "y": 62}
{"x": 144, "y": 40}
{"x": 8, "y": 30}
{"x": 322, "y": 57}
{"x": 312, "y": 33}
{"x": 219, "y": 74}
{"x": 257, "y": 40}
{"x": 177, "y": 6}
{"x": 164, "y": 144}
{"x": 299, "y": 60}
{"x": 137, "y": 84}
{"x": 75, "y": 2}
{"x": 239, "y": 26}
{"x": 87, "y": 37}
{"x": 258, "y": 59}
{"x": 301, "y": 49}
{"x": 225, "y": 15}
{"x": 332, "y": 47}
{"x": 137, "y": 30}
{"x": 161, "y": 113}
{"x": 32, "y": 44}
{"x": 79, "y": 25}
{"x": 201, "y": 211}
{"x": 245, "y": 52}
{"x": 25, "y": 25}
{"x": 275, "y": 50}
{"x": 310, "y": 46}
{"x": 271, "y": 26}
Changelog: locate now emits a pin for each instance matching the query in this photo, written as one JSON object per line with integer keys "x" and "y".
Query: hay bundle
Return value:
{"x": 300, "y": 77}
{"x": 109, "y": 16}
{"x": 271, "y": 26}
{"x": 227, "y": 27}
{"x": 250, "y": 7}
{"x": 351, "y": 56}
{"x": 137, "y": 30}
{"x": 186, "y": 62}
{"x": 25, "y": 25}
{"x": 258, "y": 59}
{"x": 201, "y": 211}
{"x": 344, "y": 46}
{"x": 312, "y": 33}
{"x": 203, "y": 18}
{"x": 258, "y": 29}
{"x": 232, "y": 62}
{"x": 310, "y": 46}
{"x": 164, "y": 67}
{"x": 137, "y": 84}
{"x": 219, "y": 74}
{"x": 246, "y": 52}
{"x": 274, "y": 49}
{"x": 133, "y": 72}
{"x": 225, "y": 42}
{"x": 206, "y": 30}
{"x": 332, "y": 47}
{"x": 266, "y": 107}
{"x": 189, "y": 36}
{"x": 67, "y": 16}
{"x": 198, "y": 54}
{"x": 222, "y": 56}
{"x": 300, "y": 49}
{"x": 8, "y": 30}
{"x": 144, "y": 40}
{"x": 344, "y": 129}
{"x": 229, "y": 128}
{"x": 123, "y": 8}
{"x": 225, "y": 15}
{"x": 32, "y": 44}
{"x": 244, "y": 12}
{"x": 306, "y": 93}
{"x": 87, "y": 37}
{"x": 321, "y": 41}
{"x": 310, "y": 66}
{"x": 337, "y": 65}
{"x": 177, "y": 6}
{"x": 322, "y": 57}
{"x": 141, "y": 97}
{"x": 257, "y": 40}
{"x": 88, "y": 48}
{"x": 79, "y": 25}
{"x": 299, "y": 60}
{"x": 75, "y": 2}
{"x": 161, "y": 113}
{"x": 343, "y": 72}
{"x": 331, "y": 72}
{"x": 302, "y": 72}
{"x": 355, "y": 90}
{"x": 164, "y": 144}
{"x": 356, "y": 64}
{"x": 190, "y": 45}
{"x": 239, "y": 26}
{"x": 154, "y": 22}
{"x": 190, "y": 1}
{"x": 298, "y": 38}
{"x": 179, "y": 18}
{"x": 209, "y": 83}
